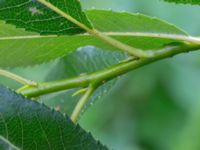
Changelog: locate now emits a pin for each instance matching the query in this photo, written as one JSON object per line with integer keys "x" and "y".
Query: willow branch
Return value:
{"x": 105, "y": 75}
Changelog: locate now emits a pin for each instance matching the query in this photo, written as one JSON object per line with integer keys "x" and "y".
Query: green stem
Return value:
{"x": 124, "y": 47}
{"x": 105, "y": 75}
{"x": 17, "y": 78}
{"x": 81, "y": 103}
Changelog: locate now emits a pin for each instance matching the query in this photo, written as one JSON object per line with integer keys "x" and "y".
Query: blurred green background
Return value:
{"x": 156, "y": 107}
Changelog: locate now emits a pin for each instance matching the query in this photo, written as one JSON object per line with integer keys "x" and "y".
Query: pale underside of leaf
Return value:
{"x": 82, "y": 61}
{"x": 20, "y": 48}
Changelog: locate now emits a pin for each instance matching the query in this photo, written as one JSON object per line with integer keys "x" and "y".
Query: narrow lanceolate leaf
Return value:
{"x": 20, "y": 48}
{"x": 193, "y": 2}
{"x": 33, "y": 16}
{"x": 28, "y": 125}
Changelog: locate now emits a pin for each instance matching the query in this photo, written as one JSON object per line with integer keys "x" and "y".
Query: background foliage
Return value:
{"x": 153, "y": 108}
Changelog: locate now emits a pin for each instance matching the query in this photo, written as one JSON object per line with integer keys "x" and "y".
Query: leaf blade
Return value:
{"x": 193, "y": 2}
{"x": 20, "y": 48}
{"x": 33, "y": 16}
{"x": 30, "y": 125}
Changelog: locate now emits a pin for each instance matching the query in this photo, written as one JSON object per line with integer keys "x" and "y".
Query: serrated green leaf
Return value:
{"x": 21, "y": 48}
{"x": 84, "y": 60}
{"x": 28, "y": 125}
{"x": 193, "y": 2}
{"x": 33, "y": 16}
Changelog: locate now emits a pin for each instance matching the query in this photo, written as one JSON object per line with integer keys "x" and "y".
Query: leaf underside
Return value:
{"x": 33, "y": 16}
{"x": 22, "y": 48}
{"x": 29, "y": 125}
{"x": 82, "y": 61}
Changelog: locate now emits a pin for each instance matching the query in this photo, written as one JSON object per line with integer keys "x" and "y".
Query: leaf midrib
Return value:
{"x": 123, "y": 34}
{"x": 9, "y": 143}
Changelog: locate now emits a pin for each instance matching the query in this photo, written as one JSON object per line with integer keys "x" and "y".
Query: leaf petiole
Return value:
{"x": 17, "y": 78}
{"x": 81, "y": 91}
{"x": 82, "y": 102}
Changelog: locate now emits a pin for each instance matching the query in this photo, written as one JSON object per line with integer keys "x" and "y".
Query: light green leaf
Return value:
{"x": 28, "y": 125}
{"x": 21, "y": 48}
{"x": 193, "y": 2}
{"x": 33, "y": 16}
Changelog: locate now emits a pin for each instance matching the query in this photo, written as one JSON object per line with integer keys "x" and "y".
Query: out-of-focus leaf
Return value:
{"x": 84, "y": 60}
{"x": 188, "y": 137}
{"x": 159, "y": 120}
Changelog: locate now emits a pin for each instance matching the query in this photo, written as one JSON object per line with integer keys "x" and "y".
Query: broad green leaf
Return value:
{"x": 21, "y": 48}
{"x": 193, "y": 2}
{"x": 84, "y": 60}
{"x": 28, "y": 125}
{"x": 33, "y": 16}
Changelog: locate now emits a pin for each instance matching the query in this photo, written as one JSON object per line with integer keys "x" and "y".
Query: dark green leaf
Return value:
{"x": 5, "y": 146}
{"x": 193, "y": 2}
{"x": 34, "y": 16}
{"x": 29, "y": 125}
